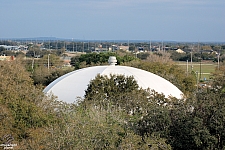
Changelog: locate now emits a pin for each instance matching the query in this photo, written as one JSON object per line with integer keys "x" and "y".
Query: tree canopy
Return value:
{"x": 92, "y": 59}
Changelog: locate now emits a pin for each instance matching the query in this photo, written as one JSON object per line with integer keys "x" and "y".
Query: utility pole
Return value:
{"x": 83, "y": 47}
{"x": 150, "y": 46}
{"x": 65, "y": 46}
{"x": 200, "y": 76}
{"x": 76, "y": 47}
{"x": 49, "y": 45}
{"x": 191, "y": 58}
{"x": 218, "y": 57}
{"x": 198, "y": 46}
{"x": 187, "y": 67}
{"x": 73, "y": 44}
{"x": 56, "y": 45}
{"x": 32, "y": 66}
{"x": 48, "y": 61}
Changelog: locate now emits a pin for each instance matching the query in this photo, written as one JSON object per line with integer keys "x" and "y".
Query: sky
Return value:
{"x": 165, "y": 20}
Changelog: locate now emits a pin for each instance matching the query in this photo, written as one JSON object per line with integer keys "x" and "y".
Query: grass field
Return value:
{"x": 206, "y": 68}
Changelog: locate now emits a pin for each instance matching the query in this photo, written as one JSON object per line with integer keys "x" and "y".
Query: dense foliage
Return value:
{"x": 41, "y": 73}
{"x": 196, "y": 56}
{"x": 92, "y": 59}
{"x": 20, "y": 102}
{"x": 196, "y": 122}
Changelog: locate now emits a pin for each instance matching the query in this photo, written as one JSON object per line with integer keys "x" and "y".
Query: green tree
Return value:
{"x": 54, "y": 60}
{"x": 218, "y": 78}
{"x": 120, "y": 93}
{"x": 19, "y": 100}
{"x": 114, "y": 89}
{"x": 91, "y": 59}
{"x": 2, "y": 49}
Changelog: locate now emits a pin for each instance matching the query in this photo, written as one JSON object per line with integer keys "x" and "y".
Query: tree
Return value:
{"x": 218, "y": 78}
{"x": 112, "y": 90}
{"x": 2, "y": 49}
{"x": 19, "y": 100}
{"x": 162, "y": 57}
{"x": 54, "y": 60}
{"x": 143, "y": 55}
{"x": 91, "y": 59}
{"x": 122, "y": 94}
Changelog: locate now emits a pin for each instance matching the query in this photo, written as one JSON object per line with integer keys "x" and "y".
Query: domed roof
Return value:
{"x": 72, "y": 85}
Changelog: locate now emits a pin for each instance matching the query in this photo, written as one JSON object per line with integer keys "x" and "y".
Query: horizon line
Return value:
{"x": 51, "y": 38}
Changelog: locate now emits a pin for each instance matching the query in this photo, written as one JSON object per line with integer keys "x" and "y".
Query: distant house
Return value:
{"x": 21, "y": 47}
{"x": 141, "y": 48}
{"x": 66, "y": 61}
{"x": 10, "y": 47}
{"x": 180, "y": 51}
{"x": 125, "y": 48}
{"x": 100, "y": 49}
{"x": 7, "y": 58}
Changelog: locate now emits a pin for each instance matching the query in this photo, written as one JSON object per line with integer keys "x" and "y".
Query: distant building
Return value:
{"x": 125, "y": 48}
{"x": 180, "y": 51}
{"x": 100, "y": 49}
{"x": 141, "y": 48}
{"x": 10, "y": 47}
{"x": 66, "y": 61}
{"x": 7, "y": 58}
{"x": 21, "y": 47}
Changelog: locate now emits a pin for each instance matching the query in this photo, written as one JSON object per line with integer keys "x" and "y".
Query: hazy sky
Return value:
{"x": 176, "y": 20}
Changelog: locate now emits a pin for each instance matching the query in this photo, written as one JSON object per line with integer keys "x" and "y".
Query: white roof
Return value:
{"x": 72, "y": 85}
{"x": 180, "y": 51}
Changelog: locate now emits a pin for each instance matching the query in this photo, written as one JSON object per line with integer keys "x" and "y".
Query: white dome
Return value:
{"x": 72, "y": 85}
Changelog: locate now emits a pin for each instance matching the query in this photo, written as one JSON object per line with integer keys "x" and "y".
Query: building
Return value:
{"x": 7, "y": 58}
{"x": 125, "y": 48}
{"x": 16, "y": 48}
{"x": 180, "y": 51}
{"x": 72, "y": 85}
{"x": 10, "y": 47}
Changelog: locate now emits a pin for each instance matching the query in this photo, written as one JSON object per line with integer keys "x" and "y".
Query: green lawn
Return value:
{"x": 206, "y": 68}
